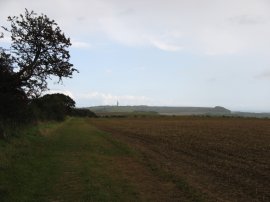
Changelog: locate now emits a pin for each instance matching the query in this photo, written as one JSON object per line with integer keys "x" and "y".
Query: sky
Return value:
{"x": 162, "y": 52}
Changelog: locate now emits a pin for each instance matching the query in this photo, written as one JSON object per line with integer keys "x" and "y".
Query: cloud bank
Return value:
{"x": 207, "y": 27}
{"x": 97, "y": 98}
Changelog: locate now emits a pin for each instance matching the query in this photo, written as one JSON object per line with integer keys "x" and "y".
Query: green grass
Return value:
{"x": 70, "y": 161}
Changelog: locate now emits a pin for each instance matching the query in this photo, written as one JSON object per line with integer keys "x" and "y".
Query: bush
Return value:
{"x": 82, "y": 113}
{"x": 52, "y": 107}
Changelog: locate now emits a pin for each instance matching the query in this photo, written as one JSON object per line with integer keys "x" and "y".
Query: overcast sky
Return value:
{"x": 162, "y": 52}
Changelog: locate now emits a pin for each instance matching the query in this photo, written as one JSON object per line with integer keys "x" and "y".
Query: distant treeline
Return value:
{"x": 172, "y": 111}
{"x": 162, "y": 110}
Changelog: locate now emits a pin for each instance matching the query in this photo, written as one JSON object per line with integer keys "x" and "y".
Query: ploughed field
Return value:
{"x": 138, "y": 159}
{"x": 199, "y": 158}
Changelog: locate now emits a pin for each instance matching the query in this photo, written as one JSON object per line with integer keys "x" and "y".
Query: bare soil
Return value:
{"x": 197, "y": 158}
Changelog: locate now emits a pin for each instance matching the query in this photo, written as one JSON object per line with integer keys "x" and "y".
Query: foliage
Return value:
{"x": 57, "y": 107}
{"x": 52, "y": 107}
{"x": 38, "y": 51}
{"x": 82, "y": 113}
{"x": 13, "y": 100}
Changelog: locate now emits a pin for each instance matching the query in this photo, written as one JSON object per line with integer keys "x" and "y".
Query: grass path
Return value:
{"x": 74, "y": 161}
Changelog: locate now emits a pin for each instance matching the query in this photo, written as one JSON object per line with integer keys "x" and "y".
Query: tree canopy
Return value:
{"x": 39, "y": 50}
{"x": 52, "y": 107}
{"x": 56, "y": 107}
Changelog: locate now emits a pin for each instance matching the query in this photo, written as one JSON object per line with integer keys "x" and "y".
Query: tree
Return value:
{"x": 56, "y": 107}
{"x": 13, "y": 100}
{"x": 80, "y": 112}
{"x": 38, "y": 51}
{"x": 52, "y": 107}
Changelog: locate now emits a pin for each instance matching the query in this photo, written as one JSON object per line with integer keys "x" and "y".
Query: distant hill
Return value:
{"x": 178, "y": 111}
{"x": 101, "y": 110}
{"x": 250, "y": 114}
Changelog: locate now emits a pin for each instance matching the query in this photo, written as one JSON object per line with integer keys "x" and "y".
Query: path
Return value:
{"x": 77, "y": 162}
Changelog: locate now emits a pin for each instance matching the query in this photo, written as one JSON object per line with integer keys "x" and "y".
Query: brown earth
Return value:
{"x": 199, "y": 158}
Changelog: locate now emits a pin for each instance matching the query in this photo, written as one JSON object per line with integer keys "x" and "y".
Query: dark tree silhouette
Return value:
{"x": 13, "y": 100}
{"x": 52, "y": 107}
{"x": 38, "y": 52}
{"x": 56, "y": 107}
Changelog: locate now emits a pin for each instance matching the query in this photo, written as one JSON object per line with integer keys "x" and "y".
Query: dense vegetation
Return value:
{"x": 56, "y": 107}
{"x": 39, "y": 50}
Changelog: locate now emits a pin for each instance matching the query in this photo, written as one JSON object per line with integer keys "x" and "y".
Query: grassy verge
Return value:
{"x": 23, "y": 161}
{"x": 71, "y": 161}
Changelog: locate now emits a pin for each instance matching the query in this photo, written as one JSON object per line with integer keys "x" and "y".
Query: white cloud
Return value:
{"x": 108, "y": 71}
{"x": 263, "y": 75}
{"x": 5, "y": 40}
{"x": 165, "y": 46}
{"x": 210, "y": 27}
{"x": 80, "y": 45}
{"x": 110, "y": 99}
{"x": 247, "y": 20}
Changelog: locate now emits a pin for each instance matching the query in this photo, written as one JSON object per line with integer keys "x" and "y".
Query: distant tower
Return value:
{"x": 117, "y": 104}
